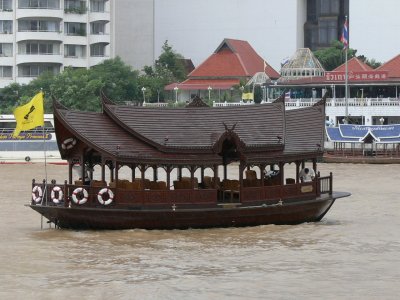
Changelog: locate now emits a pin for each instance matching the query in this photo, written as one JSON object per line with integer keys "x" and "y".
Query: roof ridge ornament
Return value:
{"x": 227, "y": 129}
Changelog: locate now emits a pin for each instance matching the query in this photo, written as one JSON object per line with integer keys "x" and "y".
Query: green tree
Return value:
{"x": 167, "y": 69}
{"x": 119, "y": 81}
{"x": 172, "y": 61}
{"x": 77, "y": 88}
{"x": 371, "y": 62}
{"x": 333, "y": 56}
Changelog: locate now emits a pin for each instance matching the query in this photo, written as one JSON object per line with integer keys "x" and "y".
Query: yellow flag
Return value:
{"x": 30, "y": 115}
{"x": 247, "y": 96}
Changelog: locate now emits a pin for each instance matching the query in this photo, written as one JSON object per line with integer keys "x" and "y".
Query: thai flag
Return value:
{"x": 345, "y": 35}
{"x": 287, "y": 95}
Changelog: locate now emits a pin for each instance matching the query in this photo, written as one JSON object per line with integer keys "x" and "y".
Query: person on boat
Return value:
{"x": 307, "y": 175}
{"x": 78, "y": 170}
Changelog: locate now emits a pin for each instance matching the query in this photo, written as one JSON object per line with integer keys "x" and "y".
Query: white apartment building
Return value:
{"x": 48, "y": 35}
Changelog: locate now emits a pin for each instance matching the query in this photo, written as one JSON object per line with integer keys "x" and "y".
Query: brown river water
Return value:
{"x": 353, "y": 253}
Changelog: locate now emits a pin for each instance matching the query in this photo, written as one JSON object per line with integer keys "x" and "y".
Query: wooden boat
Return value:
{"x": 251, "y": 140}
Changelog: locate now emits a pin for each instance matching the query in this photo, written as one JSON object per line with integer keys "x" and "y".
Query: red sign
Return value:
{"x": 356, "y": 76}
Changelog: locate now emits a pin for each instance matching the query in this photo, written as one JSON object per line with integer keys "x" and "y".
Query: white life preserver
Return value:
{"x": 37, "y": 194}
{"x": 58, "y": 199}
{"x": 68, "y": 143}
{"x": 110, "y": 196}
{"x": 78, "y": 191}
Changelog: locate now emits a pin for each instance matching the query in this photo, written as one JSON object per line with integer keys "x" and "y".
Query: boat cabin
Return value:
{"x": 197, "y": 156}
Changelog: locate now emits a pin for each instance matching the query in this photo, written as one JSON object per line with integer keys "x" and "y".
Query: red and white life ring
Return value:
{"x": 110, "y": 196}
{"x": 68, "y": 143}
{"x": 37, "y": 194}
{"x": 58, "y": 199}
{"x": 82, "y": 192}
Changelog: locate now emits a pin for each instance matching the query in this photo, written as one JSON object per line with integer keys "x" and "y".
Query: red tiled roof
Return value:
{"x": 392, "y": 67}
{"x": 233, "y": 58}
{"x": 354, "y": 65}
{"x": 203, "y": 84}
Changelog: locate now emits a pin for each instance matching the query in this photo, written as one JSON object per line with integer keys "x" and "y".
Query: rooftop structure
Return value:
{"x": 302, "y": 64}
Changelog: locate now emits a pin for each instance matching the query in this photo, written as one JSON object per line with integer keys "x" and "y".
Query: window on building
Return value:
{"x": 38, "y": 25}
{"x": 5, "y": 72}
{"x": 6, "y": 49}
{"x": 70, "y": 51}
{"x": 34, "y": 70}
{"x": 75, "y": 51}
{"x": 43, "y": 4}
{"x": 38, "y": 47}
{"x": 5, "y": 26}
{"x": 97, "y": 5}
{"x": 5, "y": 5}
{"x": 329, "y": 7}
{"x": 327, "y": 32}
{"x": 97, "y": 28}
{"x": 75, "y": 28}
{"x": 97, "y": 49}
{"x": 75, "y": 6}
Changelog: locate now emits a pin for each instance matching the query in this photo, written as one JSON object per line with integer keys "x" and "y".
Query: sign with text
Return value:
{"x": 356, "y": 76}
{"x": 26, "y": 136}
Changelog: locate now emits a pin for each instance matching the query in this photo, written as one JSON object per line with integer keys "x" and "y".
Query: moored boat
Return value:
{"x": 201, "y": 142}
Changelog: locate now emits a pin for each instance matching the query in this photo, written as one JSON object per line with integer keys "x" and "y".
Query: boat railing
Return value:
{"x": 69, "y": 195}
{"x": 325, "y": 184}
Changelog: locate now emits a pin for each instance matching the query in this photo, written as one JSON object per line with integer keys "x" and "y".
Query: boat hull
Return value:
{"x": 231, "y": 215}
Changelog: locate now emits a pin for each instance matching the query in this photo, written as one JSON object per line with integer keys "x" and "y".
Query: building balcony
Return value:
{"x": 6, "y": 15}
{"x": 99, "y": 38}
{"x": 95, "y": 60}
{"x": 39, "y": 13}
{"x": 39, "y": 35}
{"x": 75, "y": 62}
{"x": 5, "y": 81}
{"x": 6, "y": 60}
{"x": 75, "y": 40}
{"x": 24, "y": 80}
{"x": 75, "y": 18}
{"x": 6, "y": 37}
{"x": 39, "y": 58}
{"x": 99, "y": 16}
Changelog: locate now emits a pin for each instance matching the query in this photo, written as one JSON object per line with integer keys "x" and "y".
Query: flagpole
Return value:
{"x": 346, "y": 85}
{"x": 45, "y": 154}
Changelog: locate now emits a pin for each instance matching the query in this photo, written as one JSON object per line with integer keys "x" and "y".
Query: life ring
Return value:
{"x": 80, "y": 191}
{"x": 109, "y": 193}
{"x": 37, "y": 194}
{"x": 68, "y": 143}
{"x": 58, "y": 199}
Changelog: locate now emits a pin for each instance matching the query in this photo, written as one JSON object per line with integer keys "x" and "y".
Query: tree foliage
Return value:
{"x": 167, "y": 69}
{"x": 77, "y": 88}
{"x": 334, "y": 56}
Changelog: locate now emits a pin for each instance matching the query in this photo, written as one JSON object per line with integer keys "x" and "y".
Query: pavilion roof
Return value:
{"x": 234, "y": 58}
{"x": 392, "y": 67}
{"x": 354, "y": 65}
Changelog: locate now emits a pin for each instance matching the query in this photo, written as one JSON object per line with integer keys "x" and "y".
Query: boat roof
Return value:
{"x": 131, "y": 134}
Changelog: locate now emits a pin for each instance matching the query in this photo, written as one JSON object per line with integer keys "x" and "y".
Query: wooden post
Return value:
{"x": 179, "y": 173}
{"x": 168, "y": 170}
{"x": 70, "y": 164}
{"x": 116, "y": 172}
{"x": 103, "y": 170}
{"x": 225, "y": 172}
{"x": 330, "y": 183}
{"x": 192, "y": 168}
{"x": 143, "y": 173}
{"x": 262, "y": 172}
{"x": 65, "y": 194}
{"x": 155, "y": 173}
{"x": 133, "y": 168}
{"x": 297, "y": 171}
{"x": 314, "y": 165}
{"x": 202, "y": 174}
{"x": 215, "y": 168}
